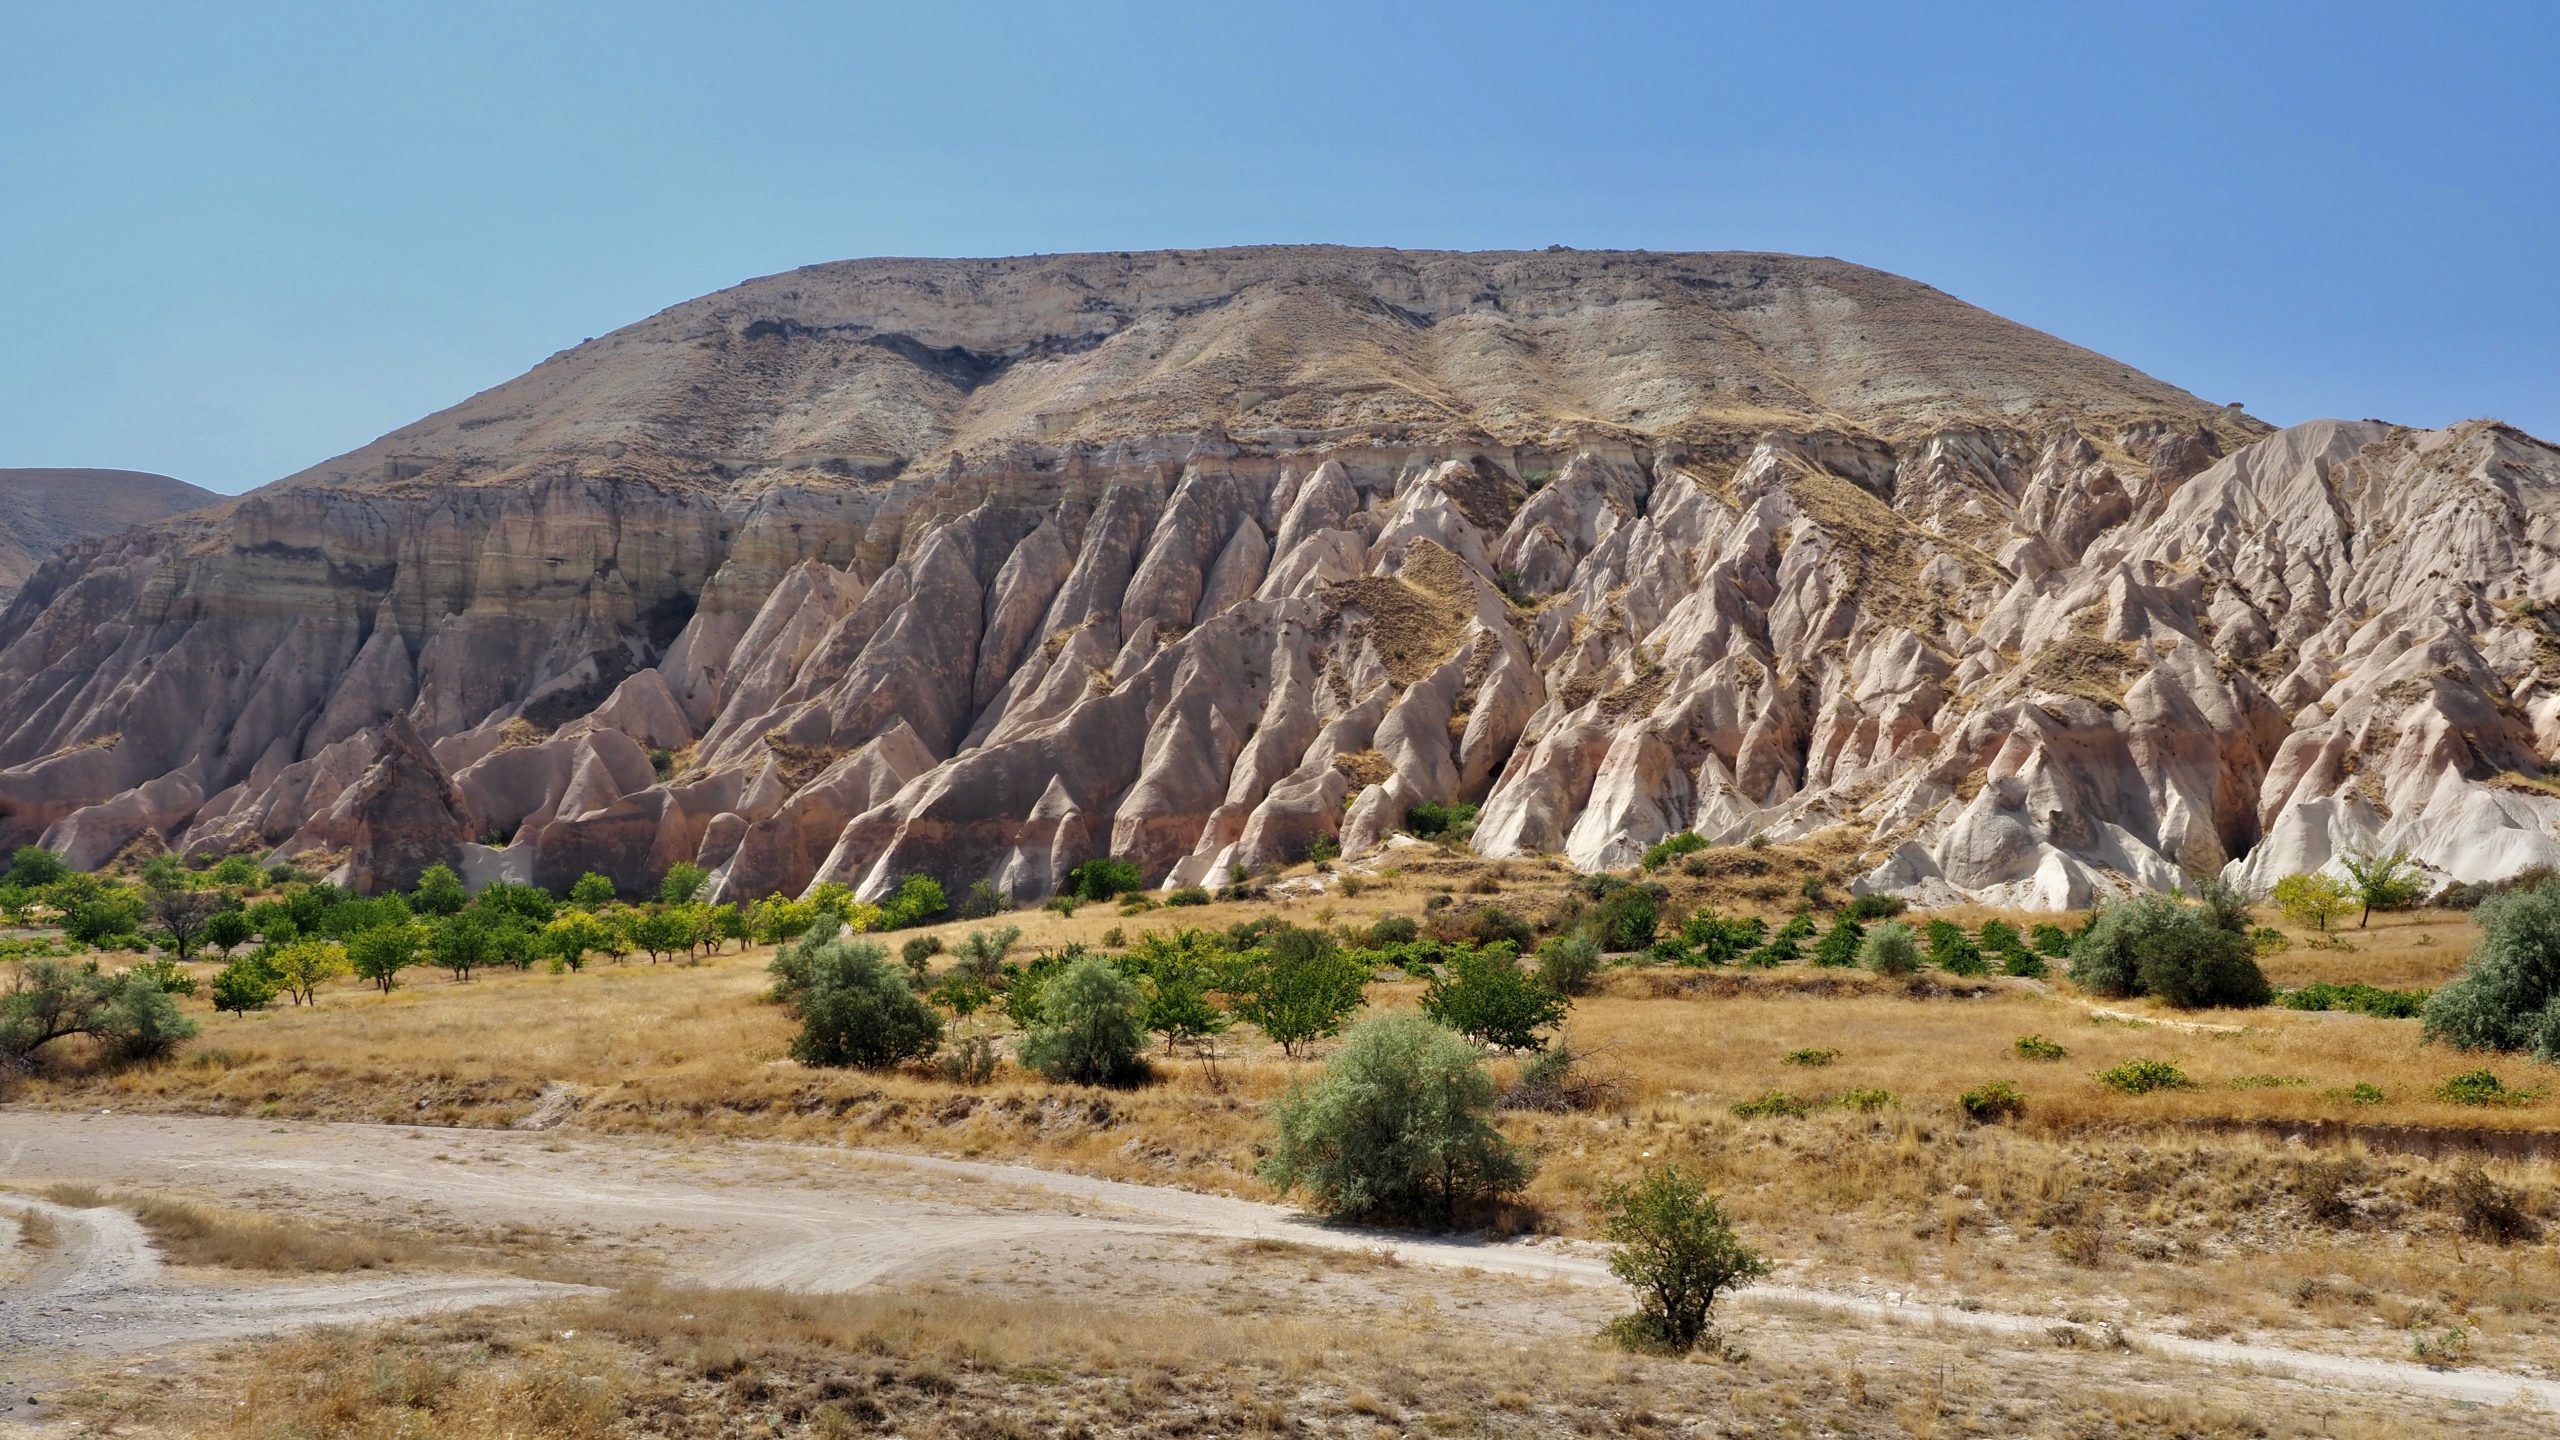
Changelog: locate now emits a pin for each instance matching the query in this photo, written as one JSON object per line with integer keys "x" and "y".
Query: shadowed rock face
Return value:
{"x": 982, "y": 568}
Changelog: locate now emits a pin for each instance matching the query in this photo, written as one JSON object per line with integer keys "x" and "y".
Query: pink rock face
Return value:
{"x": 980, "y": 569}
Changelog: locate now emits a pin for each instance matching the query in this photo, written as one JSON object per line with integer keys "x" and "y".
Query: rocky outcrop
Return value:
{"x": 980, "y": 569}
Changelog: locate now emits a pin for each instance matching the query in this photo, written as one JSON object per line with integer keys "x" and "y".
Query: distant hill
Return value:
{"x": 43, "y": 510}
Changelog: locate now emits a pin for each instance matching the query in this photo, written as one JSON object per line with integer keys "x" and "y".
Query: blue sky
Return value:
{"x": 235, "y": 240}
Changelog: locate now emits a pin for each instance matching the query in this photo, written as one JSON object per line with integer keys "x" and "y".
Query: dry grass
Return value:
{"x": 942, "y": 1362}
{"x": 189, "y": 1232}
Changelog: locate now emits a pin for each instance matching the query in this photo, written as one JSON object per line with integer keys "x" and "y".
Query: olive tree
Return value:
{"x": 854, "y": 1007}
{"x": 1092, "y": 1028}
{"x": 1398, "y": 1127}
{"x": 2508, "y": 995}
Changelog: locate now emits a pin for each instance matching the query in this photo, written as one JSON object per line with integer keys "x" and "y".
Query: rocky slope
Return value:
{"x": 978, "y": 568}
{"x": 43, "y": 510}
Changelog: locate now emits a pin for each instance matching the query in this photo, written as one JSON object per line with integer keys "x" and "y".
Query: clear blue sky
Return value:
{"x": 236, "y": 239}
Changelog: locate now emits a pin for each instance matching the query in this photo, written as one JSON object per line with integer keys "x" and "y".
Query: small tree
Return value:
{"x": 592, "y": 891}
{"x": 1179, "y": 1009}
{"x": 246, "y": 984}
{"x": 2508, "y": 995}
{"x": 1891, "y": 949}
{"x": 1304, "y": 988}
{"x": 305, "y": 965}
{"x": 439, "y": 892}
{"x": 381, "y": 953}
{"x": 917, "y": 901}
{"x": 2316, "y": 899}
{"x": 227, "y": 930}
{"x": 1398, "y": 1128}
{"x": 32, "y": 867}
{"x": 461, "y": 943}
{"x": 1484, "y": 995}
{"x": 661, "y": 932}
{"x": 2383, "y": 882}
{"x": 982, "y": 952}
{"x": 854, "y": 1008}
{"x": 182, "y": 915}
{"x": 1093, "y": 1027}
{"x": 571, "y": 937}
{"x": 129, "y": 1015}
{"x": 1104, "y": 879}
{"x": 1679, "y": 1251}
{"x": 682, "y": 884}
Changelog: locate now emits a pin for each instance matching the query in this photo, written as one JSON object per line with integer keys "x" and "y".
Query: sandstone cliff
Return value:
{"x": 978, "y": 568}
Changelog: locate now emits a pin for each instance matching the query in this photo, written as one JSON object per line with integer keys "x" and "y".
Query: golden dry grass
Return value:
{"x": 941, "y": 1361}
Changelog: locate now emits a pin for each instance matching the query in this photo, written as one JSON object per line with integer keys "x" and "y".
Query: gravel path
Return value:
{"x": 780, "y": 1216}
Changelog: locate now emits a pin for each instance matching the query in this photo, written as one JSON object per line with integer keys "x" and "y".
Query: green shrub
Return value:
{"x": 1431, "y": 818}
{"x": 1992, "y": 1103}
{"x": 2508, "y": 995}
{"x": 1398, "y": 1128}
{"x": 2141, "y": 1077}
{"x": 2025, "y": 964}
{"x": 1845, "y": 941}
{"x": 1679, "y": 1252}
{"x": 1187, "y": 895}
{"x": 1874, "y": 907}
{"x": 2359, "y": 997}
{"x": 1628, "y": 917}
{"x": 2189, "y": 955}
{"x": 1891, "y": 950}
{"x": 918, "y": 900}
{"x": 2482, "y": 1087}
{"x": 32, "y": 867}
{"x": 2037, "y": 1047}
{"x": 1485, "y": 996}
{"x": 2363, "y": 1092}
{"x": 1772, "y": 1105}
{"x": 1671, "y": 847}
{"x": 1865, "y": 1101}
{"x": 1092, "y": 1028}
{"x": 854, "y": 1008}
{"x": 129, "y": 1015}
{"x": 1813, "y": 1058}
{"x": 682, "y": 884}
{"x": 2051, "y": 941}
{"x": 1568, "y": 963}
{"x": 1714, "y": 940}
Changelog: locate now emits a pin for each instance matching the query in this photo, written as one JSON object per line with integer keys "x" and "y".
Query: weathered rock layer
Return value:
{"x": 979, "y": 569}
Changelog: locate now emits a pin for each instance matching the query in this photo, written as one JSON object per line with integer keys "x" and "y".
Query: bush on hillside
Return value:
{"x": 1092, "y": 1028}
{"x": 1678, "y": 1250}
{"x": 2189, "y": 955}
{"x": 854, "y": 1008}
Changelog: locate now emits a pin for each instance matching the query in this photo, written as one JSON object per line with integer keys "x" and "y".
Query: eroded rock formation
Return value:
{"x": 979, "y": 569}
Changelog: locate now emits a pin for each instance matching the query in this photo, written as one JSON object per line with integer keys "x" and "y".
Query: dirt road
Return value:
{"x": 790, "y": 1217}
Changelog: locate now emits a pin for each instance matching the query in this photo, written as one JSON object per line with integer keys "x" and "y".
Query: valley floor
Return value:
{"x": 798, "y": 1289}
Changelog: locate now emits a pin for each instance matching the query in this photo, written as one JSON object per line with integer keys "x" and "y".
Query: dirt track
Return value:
{"x": 731, "y": 1213}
